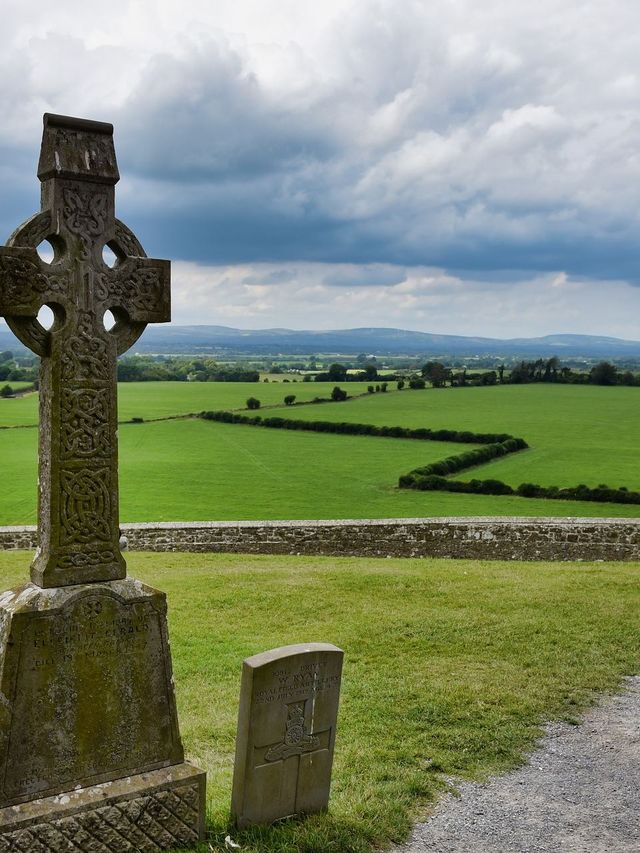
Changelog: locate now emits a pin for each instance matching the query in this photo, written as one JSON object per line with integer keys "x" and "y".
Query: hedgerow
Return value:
{"x": 423, "y": 434}
{"x": 434, "y": 477}
{"x": 601, "y": 494}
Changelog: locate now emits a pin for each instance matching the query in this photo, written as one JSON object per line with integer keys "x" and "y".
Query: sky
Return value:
{"x": 447, "y": 166}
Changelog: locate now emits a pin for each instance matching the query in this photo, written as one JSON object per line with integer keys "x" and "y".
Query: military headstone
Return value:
{"x": 286, "y": 733}
{"x": 90, "y": 750}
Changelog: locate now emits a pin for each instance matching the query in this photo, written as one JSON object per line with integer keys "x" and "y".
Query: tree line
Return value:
{"x": 541, "y": 370}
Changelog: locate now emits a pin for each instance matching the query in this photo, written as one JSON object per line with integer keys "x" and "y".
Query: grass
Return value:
{"x": 577, "y": 434}
{"x": 17, "y": 386}
{"x": 150, "y": 400}
{"x": 195, "y": 470}
{"x": 186, "y": 470}
{"x": 450, "y": 668}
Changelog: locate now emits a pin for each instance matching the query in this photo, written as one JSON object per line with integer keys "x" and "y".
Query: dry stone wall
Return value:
{"x": 479, "y": 538}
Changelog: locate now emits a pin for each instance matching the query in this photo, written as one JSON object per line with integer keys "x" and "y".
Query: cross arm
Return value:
{"x": 140, "y": 287}
{"x": 24, "y": 286}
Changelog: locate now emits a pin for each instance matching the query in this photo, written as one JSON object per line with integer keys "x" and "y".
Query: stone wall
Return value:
{"x": 479, "y": 538}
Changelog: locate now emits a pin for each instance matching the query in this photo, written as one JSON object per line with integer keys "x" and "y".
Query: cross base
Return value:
{"x": 153, "y": 811}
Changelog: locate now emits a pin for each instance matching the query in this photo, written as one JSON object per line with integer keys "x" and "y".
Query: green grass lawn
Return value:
{"x": 194, "y": 470}
{"x": 151, "y": 400}
{"x": 450, "y": 668}
{"x": 577, "y": 434}
{"x": 17, "y": 386}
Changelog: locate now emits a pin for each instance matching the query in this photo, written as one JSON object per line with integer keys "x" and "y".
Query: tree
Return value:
{"x": 6, "y": 391}
{"x": 290, "y": 399}
{"x": 436, "y": 373}
{"x": 416, "y": 382}
{"x": 604, "y": 373}
{"x": 338, "y": 394}
{"x": 337, "y": 373}
{"x": 7, "y": 355}
{"x": 253, "y": 403}
{"x": 370, "y": 372}
{"x": 400, "y": 384}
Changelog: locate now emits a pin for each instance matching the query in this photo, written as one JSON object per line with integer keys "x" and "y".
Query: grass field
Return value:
{"x": 17, "y": 386}
{"x": 577, "y": 434}
{"x": 151, "y": 400}
{"x": 450, "y": 668}
{"x": 192, "y": 470}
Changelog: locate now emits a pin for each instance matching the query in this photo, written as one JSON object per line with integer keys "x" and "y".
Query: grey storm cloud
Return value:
{"x": 480, "y": 144}
{"x": 368, "y": 135}
{"x": 369, "y": 275}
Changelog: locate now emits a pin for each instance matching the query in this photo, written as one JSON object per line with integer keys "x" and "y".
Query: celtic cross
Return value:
{"x": 78, "y": 456}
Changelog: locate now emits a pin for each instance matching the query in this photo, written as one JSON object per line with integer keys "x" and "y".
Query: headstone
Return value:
{"x": 90, "y": 750}
{"x": 286, "y": 733}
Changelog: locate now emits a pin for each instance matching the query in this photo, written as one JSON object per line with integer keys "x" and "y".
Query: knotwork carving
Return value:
{"x": 85, "y": 510}
{"x": 85, "y": 422}
{"x": 32, "y": 232}
{"x": 135, "y": 288}
{"x": 22, "y": 281}
{"x": 85, "y": 212}
{"x": 86, "y": 356}
{"x": 127, "y": 241}
{"x": 81, "y": 559}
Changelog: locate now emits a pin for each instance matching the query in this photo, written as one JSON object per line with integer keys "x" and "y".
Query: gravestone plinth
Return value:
{"x": 286, "y": 733}
{"x": 90, "y": 751}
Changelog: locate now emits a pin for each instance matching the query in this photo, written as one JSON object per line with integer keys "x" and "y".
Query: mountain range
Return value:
{"x": 379, "y": 341}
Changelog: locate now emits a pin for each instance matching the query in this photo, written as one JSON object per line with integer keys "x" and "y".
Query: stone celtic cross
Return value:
{"x": 78, "y": 477}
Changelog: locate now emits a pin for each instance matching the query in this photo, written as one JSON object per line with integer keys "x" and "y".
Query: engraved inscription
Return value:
{"x": 309, "y": 678}
{"x": 82, "y": 559}
{"x": 93, "y": 697}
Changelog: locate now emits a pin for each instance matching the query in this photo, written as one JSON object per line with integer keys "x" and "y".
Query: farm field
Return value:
{"x": 17, "y": 386}
{"x": 577, "y": 434}
{"x": 450, "y": 668}
{"x": 193, "y": 470}
{"x": 151, "y": 400}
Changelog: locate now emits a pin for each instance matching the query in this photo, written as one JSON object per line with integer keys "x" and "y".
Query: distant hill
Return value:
{"x": 375, "y": 340}
{"x": 379, "y": 341}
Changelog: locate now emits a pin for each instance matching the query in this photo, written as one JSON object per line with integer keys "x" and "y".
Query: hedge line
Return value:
{"x": 432, "y": 477}
{"x": 602, "y": 494}
{"x": 423, "y": 434}
{"x": 465, "y": 460}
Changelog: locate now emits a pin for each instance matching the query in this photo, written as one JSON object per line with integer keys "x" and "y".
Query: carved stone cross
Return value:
{"x": 78, "y": 478}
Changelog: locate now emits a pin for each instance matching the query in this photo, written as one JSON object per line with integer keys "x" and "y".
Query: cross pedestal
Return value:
{"x": 90, "y": 750}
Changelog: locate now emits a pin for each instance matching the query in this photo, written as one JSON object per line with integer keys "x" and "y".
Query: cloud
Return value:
{"x": 370, "y": 138}
{"x": 421, "y": 298}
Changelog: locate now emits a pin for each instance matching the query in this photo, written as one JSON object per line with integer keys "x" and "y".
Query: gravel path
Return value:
{"x": 580, "y": 793}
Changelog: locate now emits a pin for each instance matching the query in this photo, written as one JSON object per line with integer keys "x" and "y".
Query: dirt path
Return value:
{"x": 580, "y": 793}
